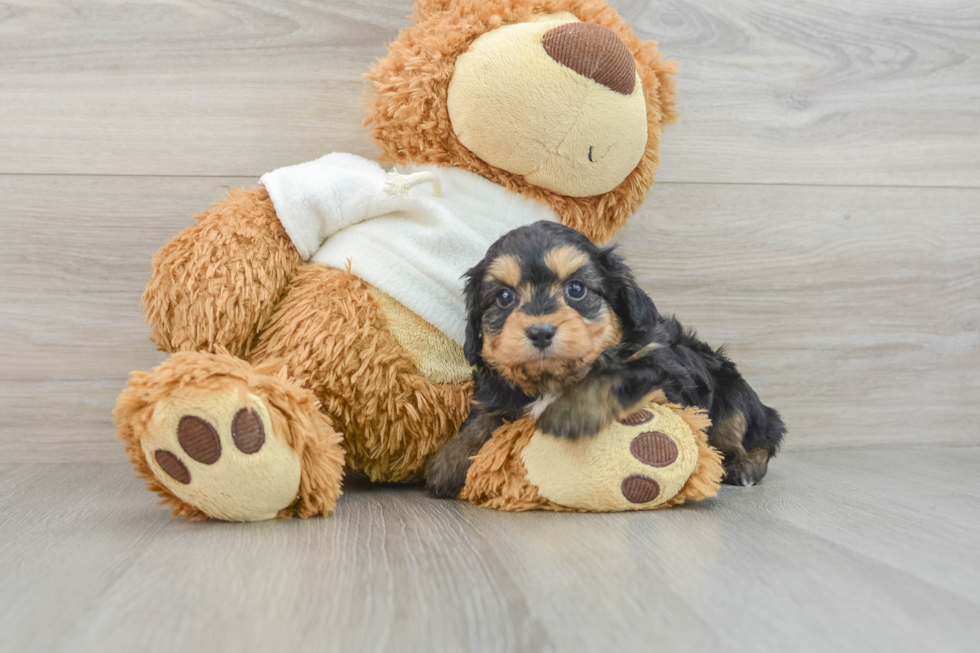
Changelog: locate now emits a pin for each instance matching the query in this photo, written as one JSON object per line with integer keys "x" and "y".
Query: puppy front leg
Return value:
{"x": 583, "y": 410}
{"x": 616, "y": 385}
{"x": 445, "y": 475}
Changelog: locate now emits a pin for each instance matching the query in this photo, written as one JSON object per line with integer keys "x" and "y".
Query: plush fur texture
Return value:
{"x": 331, "y": 335}
{"x": 516, "y": 105}
{"x": 438, "y": 358}
{"x": 294, "y": 412}
{"x": 409, "y": 119}
{"x": 327, "y": 330}
{"x": 215, "y": 448}
{"x": 232, "y": 300}
{"x": 497, "y": 478}
{"x": 214, "y": 285}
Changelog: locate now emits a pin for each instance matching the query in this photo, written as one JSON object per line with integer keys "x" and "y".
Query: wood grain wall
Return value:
{"x": 818, "y": 206}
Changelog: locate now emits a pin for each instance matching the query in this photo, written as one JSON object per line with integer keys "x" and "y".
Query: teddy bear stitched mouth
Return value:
{"x": 595, "y": 156}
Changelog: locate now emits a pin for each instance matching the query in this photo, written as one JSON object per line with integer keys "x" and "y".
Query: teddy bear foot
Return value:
{"x": 213, "y": 447}
{"x": 219, "y": 453}
{"x": 639, "y": 463}
{"x": 655, "y": 457}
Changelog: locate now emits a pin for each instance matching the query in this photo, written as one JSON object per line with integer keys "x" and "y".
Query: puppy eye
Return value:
{"x": 575, "y": 289}
{"x": 505, "y": 297}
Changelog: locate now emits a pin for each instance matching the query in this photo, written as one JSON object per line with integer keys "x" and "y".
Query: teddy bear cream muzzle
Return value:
{"x": 556, "y": 100}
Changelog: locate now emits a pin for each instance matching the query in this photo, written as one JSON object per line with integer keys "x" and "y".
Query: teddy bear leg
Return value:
{"x": 216, "y": 282}
{"x": 330, "y": 333}
{"x": 655, "y": 457}
{"x": 216, "y": 437}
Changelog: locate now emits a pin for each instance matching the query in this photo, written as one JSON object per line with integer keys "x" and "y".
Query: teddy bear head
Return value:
{"x": 555, "y": 99}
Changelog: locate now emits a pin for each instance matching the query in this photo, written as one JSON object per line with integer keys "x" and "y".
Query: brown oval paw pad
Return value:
{"x": 199, "y": 440}
{"x": 640, "y": 489}
{"x": 637, "y": 418}
{"x": 654, "y": 448}
{"x": 171, "y": 464}
{"x": 247, "y": 431}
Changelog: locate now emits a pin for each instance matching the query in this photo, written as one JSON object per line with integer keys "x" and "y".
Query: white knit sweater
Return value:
{"x": 411, "y": 233}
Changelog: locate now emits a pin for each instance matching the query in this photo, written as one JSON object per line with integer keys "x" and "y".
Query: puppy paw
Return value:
{"x": 583, "y": 411}
{"x": 746, "y": 469}
{"x": 565, "y": 419}
{"x": 445, "y": 475}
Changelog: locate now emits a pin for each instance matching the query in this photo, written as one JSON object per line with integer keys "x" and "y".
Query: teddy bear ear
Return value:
{"x": 426, "y": 8}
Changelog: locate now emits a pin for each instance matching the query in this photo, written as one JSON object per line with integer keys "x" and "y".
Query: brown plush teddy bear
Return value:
{"x": 315, "y": 322}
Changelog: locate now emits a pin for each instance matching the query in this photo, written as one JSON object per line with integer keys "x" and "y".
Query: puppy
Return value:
{"x": 558, "y": 329}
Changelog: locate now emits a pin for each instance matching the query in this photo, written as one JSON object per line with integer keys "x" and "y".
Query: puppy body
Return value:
{"x": 559, "y": 329}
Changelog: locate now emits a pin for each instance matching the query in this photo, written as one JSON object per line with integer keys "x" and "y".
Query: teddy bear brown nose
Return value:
{"x": 595, "y": 52}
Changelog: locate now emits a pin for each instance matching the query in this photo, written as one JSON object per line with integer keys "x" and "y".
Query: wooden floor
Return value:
{"x": 843, "y": 550}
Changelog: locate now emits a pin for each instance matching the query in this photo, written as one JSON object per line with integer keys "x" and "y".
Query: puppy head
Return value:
{"x": 544, "y": 303}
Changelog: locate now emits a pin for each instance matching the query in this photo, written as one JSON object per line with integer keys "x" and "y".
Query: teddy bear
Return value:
{"x": 315, "y": 322}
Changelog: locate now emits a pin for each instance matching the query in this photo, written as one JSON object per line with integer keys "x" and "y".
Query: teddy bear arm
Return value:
{"x": 215, "y": 284}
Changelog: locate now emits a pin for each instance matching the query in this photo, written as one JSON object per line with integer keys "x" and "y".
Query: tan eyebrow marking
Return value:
{"x": 565, "y": 260}
{"x": 525, "y": 292}
{"x": 506, "y": 269}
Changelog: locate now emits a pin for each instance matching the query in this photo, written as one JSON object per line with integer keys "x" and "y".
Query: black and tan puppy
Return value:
{"x": 559, "y": 329}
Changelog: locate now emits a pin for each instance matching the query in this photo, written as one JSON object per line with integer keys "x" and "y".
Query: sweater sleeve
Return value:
{"x": 315, "y": 200}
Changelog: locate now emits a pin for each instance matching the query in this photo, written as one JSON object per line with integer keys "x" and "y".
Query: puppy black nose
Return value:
{"x": 541, "y": 335}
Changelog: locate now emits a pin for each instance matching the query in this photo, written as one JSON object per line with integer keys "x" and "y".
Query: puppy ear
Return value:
{"x": 635, "y": 309}
{"x": 473, "y": 293}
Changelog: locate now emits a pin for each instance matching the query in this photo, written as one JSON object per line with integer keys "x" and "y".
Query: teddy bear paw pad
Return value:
{"x": 221, "y": 456}
{"x": 640, "y": 462}
{"x": 654, "y": 448}
{"x": 637, "y": 418}
{"x": 638, "y": 488}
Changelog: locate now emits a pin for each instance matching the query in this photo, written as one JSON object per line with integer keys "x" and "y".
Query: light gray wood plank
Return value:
{"x": 827, "y": 91}
{"x": 861, "y": 500}
{"x": 854, "y": 311}
{"x": 186, "y": 87}
{"x": 67, "y": 533}
{"x": 797, "y": 563}
{"x": 822, "y": 92}
{"x": 73, "y": 263}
